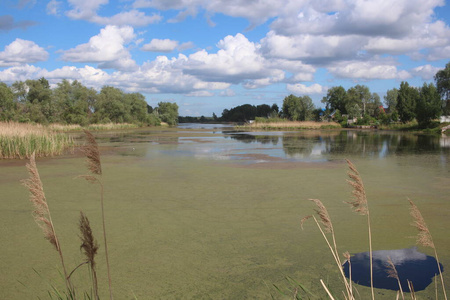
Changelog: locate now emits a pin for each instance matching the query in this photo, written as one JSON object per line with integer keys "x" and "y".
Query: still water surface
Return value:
{"x": 208, "y": 212}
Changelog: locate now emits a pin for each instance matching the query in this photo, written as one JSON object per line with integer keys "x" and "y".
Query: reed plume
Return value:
{"x": 94, "y": 166}
{"x": 361, "y": 206}
{"x": 89, "y": 246}
{"x": 392, "y": 273}
{"x": 41, "y": 213}
{"x": 424, "y": 237}
{"x": 325, "y": 219}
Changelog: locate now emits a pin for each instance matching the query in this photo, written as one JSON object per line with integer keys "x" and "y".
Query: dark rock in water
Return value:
{"x": 411, "y": 265}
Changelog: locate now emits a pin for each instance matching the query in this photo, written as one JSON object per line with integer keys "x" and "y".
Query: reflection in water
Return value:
{"x": 362, "y": 143}
{"x": 411, "y": 265}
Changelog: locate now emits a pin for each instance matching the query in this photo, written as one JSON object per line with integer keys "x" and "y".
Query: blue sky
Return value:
{"x": 208, "y": 55}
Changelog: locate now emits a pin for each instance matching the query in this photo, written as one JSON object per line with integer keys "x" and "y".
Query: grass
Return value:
{"x": 282, "y": 124}
{"x": 19, "y": 140}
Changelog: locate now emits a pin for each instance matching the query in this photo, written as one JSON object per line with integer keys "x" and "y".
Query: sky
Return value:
{"x": 211, "y": 55}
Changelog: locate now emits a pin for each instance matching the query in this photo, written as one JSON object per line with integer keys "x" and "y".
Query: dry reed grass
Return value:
{"x": 95, "y": 167}
{"x": 289, "y": 125}
{"x": 19, "y": 140}
{"x": 42, "y": 214}
{"x": 360, "y": 205}
{"x": 90, "y": 247}
{"x": 424, "y": 237}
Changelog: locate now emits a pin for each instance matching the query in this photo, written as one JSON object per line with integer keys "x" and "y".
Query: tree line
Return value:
{"x": 404, "y": 104}
{"x": 74, "y": 103}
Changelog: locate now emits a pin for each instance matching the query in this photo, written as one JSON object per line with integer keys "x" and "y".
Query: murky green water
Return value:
{"x": 209, "y": 213}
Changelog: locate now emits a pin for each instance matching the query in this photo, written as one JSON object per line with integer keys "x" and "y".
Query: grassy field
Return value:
{"x": 182, "y": 228}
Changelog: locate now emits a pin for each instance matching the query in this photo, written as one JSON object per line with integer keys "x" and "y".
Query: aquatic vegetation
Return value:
{"x": 281, "y": 124}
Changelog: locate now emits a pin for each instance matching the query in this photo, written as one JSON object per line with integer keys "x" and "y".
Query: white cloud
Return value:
{"x": 19, "y": 73}
{"x": 367, "y": 70}
{"x": 237, "y": 60}
{"x": 53, "y": 7}
{"x": 227, "y": 93}
{"x": 301, "y": 89}
{"x": 426, "y": 72}
{"x": 157, "y": 45}
{"x": 22, "y": 52}
{"x": 200, "y": 94}
{"x": 107, "y": 49}
{"x": 87, "y": 10}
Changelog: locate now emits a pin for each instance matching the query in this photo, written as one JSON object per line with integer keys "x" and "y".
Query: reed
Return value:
{"x": 424, "y": 237}
{"x": 42, "y": 214}
{"x": 361, "y": 206}
{"x": 90, "y": 247}
{"x": 290, "y": 125}
{"x": 94, "y": 166}
{"x": 18, "y": 140}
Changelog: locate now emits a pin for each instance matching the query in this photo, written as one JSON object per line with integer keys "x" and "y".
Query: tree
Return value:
{"x": 390, "y": 100}
{"x": 358, "y": 98}
{"x": 111, "y": 107}
{"x": 428, "y": 105}
{"x": 406, "y": 102}
{"x": 336, "y": 99}
{"x": 168, "y": 112}
{"x": 298, "y": 108}
{"x": 442, "y": 79}
{"x": 138, "y": 106}
{"x": 263, "y": 110}
{"x": 6, "y": 102}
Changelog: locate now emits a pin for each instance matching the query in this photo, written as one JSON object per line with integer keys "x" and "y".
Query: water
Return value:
{"x": 213, "y": 213}
{"x": 410, "y": 264}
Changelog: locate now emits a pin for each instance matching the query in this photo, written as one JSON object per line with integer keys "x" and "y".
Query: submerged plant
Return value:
{"x": 42, "y": 214}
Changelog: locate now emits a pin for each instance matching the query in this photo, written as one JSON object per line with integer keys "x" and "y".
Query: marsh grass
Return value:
{"x": 18, "y": 140}
{"x": 282, "y": 124}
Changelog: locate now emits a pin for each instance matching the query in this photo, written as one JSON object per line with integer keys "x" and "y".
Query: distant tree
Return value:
{"x": 111, "y": 107}
{"x": 298, "y": 108}
{"x": 406, "y": 102}
{"x": 6, "y": 102}
{"x": 263, "y": 110}
{"x": 428, "y": 105}
{"x": 358, "y": 99}
{"x": 336, "y": 99}
{"x": 168, "y": 112}
{"x": 442, "y": 79}
{"x": 390, "y": 100}
{"x": 275, "y": 108}
{"x": 214, "y": 117}
{"x": 138, "y": 107}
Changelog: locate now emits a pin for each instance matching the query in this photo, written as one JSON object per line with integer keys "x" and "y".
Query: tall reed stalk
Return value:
{"x": 94, "y": 166}
{"x": 42, "y": 215}
{"x": 360, "y": 205}
{"x": 90, "y": 247}
{"x": 424, "y": 237}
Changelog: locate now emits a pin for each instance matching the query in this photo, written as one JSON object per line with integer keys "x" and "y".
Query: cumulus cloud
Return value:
{"x": 237, "y": 60}
{"x": 301, "y": 89}
{"x": 107, "y": 49}
{"x": 87, "y": 10}
{"x": 157, "y": 45}
{"x": 426, "y": 72}
{"x": 22, "y": 52}
{"x": 367, "y": 70}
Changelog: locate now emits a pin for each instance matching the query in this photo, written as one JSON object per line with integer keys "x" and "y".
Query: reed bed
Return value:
{"x": 18, "y": 140}
{"x": 92, "y": 127}
{"x": 290, "y": 125}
